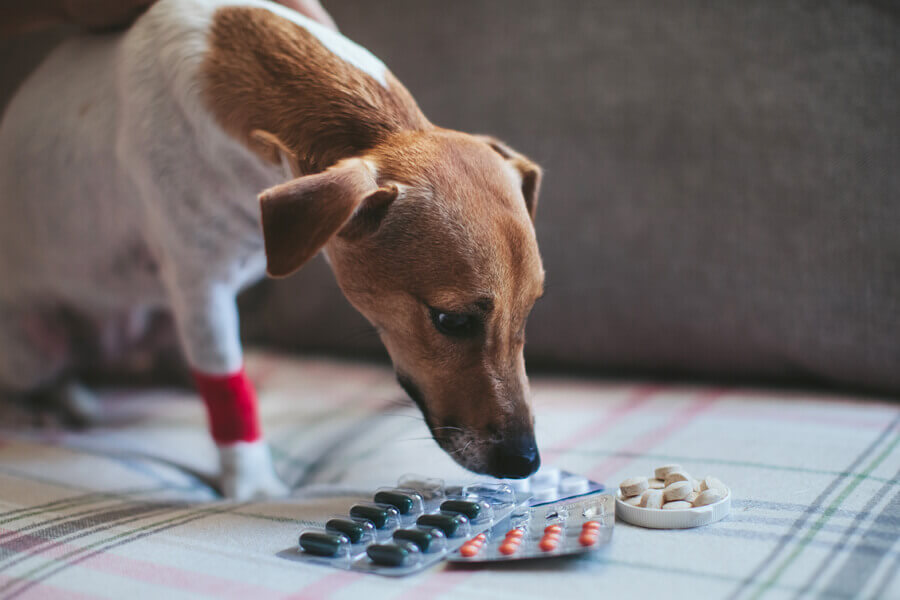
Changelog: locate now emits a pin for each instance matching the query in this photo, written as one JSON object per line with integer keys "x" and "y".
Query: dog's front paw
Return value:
{"x": 247, "y": 472}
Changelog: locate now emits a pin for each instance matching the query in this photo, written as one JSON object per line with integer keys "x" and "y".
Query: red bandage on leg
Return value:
{"x": 231, "y": 406}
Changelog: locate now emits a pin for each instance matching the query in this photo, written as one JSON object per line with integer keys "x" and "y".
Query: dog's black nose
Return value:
{"x": 516, "y": 458}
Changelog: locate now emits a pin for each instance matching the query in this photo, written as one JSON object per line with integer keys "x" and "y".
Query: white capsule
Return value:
{"x": 656, "y": 484}
{"x": 633, "y": 486}
{"x": 676, "y": 504}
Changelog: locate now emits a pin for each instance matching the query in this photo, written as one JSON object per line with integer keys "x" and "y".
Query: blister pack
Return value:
{"x": 421, "y": 521}
{"x": 573, "y": 526}
{"x": 550, "y": 485}
{"x": 407, "y": 527}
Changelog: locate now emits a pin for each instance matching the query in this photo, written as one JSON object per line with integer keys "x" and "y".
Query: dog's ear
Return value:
{"x": 300, "y": 216}
{"x": 529, "y": 172}
{"x": 369, "y": 214}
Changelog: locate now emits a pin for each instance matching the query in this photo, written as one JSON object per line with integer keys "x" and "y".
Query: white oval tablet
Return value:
{"x": 573, "y": 485}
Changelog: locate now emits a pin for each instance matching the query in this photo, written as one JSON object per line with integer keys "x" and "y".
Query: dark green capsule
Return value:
{"x": 353, "y": 530}
{"x": 470, "y": 509}
{"x": 420, "y": 538}
{"x": 401, "y": 502}
{"x": 378, "y": 516}
{"x": 389, "y": 555}
{"x": 446, "y": 523}
{"x": 321, "y": 544}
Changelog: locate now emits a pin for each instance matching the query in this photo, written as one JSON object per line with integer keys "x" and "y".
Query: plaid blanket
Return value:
{"x": 125, "y": 509}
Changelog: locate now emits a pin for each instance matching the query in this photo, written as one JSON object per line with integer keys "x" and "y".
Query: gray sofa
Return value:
{"x": 722, "y": 191}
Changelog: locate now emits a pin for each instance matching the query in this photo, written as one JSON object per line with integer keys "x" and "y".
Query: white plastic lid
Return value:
{"x": 680, "y": 518}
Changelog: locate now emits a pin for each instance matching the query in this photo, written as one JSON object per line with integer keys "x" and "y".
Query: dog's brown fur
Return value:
{"x": 265, "y": 73}
{"x": 426, "y": 218}
{"x": 461, "y": 241}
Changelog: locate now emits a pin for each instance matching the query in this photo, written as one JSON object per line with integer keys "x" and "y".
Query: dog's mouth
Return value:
{"x": 415, "y": 394}
{"x": 463, "y": 445}
{"x": 487, "y": 453}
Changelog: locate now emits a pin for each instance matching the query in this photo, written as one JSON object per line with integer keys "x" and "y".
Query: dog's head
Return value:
{"x": 430, "y": 236}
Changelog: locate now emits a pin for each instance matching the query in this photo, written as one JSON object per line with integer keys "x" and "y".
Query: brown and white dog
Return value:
{"x": 130, "y": 178}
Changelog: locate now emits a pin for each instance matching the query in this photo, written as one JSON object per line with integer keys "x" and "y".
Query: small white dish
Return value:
{"x": 679, "y": 518}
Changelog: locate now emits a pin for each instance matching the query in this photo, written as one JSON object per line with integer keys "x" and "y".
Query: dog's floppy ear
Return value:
{"x": 300, "y": 216}
{"x": 529, "y": 171}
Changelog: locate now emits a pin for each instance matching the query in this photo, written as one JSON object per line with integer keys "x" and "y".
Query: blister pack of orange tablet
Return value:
{"x": 422, "y": 521}
{"x": 573, "y": 526}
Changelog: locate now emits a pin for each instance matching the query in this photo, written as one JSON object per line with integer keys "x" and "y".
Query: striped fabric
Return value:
{"x": 125, "y": 510}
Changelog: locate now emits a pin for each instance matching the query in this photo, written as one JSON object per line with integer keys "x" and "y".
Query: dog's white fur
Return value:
{"x": 121, "y": 194}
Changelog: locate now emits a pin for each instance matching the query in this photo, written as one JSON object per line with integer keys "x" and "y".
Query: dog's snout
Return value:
{"x": 515, "y": 458}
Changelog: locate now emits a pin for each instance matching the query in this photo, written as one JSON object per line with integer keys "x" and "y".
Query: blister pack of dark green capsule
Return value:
{"x": 422, "y": 521}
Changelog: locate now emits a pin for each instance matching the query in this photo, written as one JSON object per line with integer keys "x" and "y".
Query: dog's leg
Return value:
{"x": 207, "y": 322}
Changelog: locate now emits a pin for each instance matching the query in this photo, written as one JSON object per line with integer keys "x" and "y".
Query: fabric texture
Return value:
{"x": 124, "y": 510}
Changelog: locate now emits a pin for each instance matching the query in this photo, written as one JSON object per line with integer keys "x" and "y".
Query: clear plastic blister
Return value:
{"x": 574, "y": 526}
{"x": 497, "y": 494}
{"x": 422, "y": 521}
{"x": 429, "y": 539}
{"x": 384, "y": 517}
{"x": 405, "y": 528}
{"x": 408, "y": 502}
{"x": 552, "y": 485}
{"x": 398, "y": 554}
{"x": 430, "y": 488}
{"x": 357, "y": 530}
{"x": 320, "y": 546}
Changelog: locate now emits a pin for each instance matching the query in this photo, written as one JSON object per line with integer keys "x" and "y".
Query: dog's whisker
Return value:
{"x": 416, "y": 417}
{"x": 359, "y": 334}
{"x": 413, "y": 418}
{"x": 399, "y": 403}
{"x": 458, "y": 450}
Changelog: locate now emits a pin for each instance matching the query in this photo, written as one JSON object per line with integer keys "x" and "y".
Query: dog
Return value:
{"x": 131, "y": 177}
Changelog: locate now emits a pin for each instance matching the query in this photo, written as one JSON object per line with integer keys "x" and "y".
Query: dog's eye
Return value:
{"x": 454, "y": 324}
